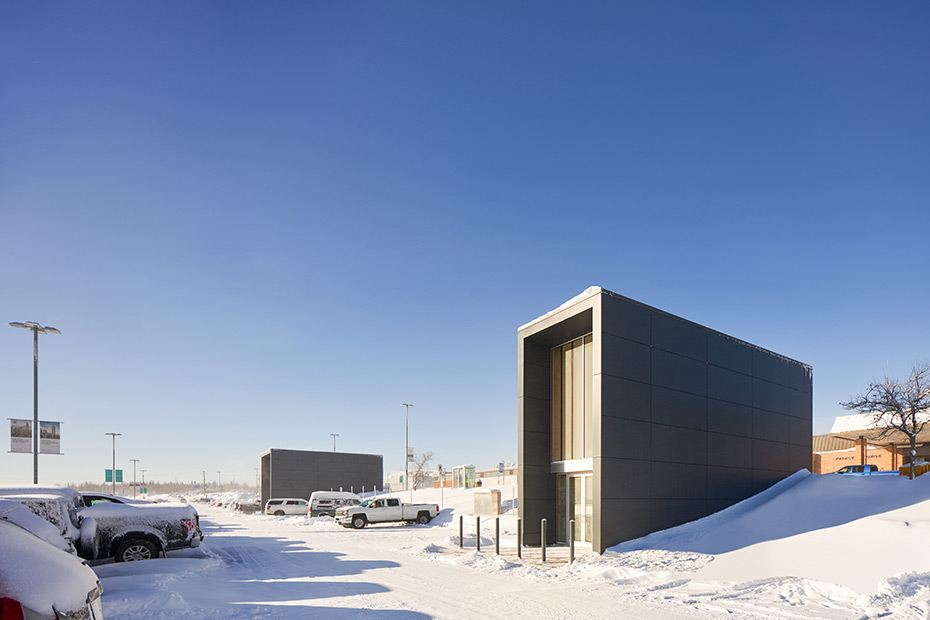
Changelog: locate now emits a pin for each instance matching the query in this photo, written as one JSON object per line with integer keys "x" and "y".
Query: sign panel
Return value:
{"x": 108, "y": 475}
{"x": 21, "y": 436}
{"x": 410, "y": 455}
{"x": 49, "y": 437}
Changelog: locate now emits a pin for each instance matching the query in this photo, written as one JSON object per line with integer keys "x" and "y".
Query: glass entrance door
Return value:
{"x": 575, "y": 502}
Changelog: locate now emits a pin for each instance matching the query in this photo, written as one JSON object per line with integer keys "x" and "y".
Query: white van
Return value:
{"x": 286, "y": 506}
{"x": 326, "y": 502}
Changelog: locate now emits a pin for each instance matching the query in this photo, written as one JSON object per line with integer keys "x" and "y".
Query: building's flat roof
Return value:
{"x": 593, "y": 291}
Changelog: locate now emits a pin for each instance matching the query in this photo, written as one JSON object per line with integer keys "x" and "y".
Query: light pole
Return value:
{"x": 334, "y": 440}
{"x": 406, "y": 442}
{"x": 36, "y": 330}
{"x": 219, "y": 480}
{"x": 134, "y": 461}
{"x": 114, "y": 435}
{"x": 142, "y": 471}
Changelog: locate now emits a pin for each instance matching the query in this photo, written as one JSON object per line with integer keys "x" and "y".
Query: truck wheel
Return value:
{"x": 423, "y": 518}
{"x": 135, "y": 550}
{"x": 358, "y": 522}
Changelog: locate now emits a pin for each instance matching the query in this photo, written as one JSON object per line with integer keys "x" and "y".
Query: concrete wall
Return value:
{"x": 298, "y": 473}
{"x": 687, "y": 420}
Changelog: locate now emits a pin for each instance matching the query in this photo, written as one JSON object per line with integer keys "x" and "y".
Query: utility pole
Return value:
{"x": 407, "y": 443}
{"x": 134, "y": 461}
{"x": 114, "y": 435}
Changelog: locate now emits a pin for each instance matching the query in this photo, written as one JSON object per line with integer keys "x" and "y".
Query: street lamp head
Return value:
{"x": 32, "y": 325}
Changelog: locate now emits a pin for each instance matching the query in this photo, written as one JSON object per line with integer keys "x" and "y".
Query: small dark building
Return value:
{"x": 298, "y": 473}
{"x": 633, "y": 420}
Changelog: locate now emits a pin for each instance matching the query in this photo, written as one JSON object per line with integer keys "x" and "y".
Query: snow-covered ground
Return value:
{"x": 810, "y": 547}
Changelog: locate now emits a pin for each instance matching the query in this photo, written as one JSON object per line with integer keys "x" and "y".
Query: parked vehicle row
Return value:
{"x": 321, "y": 503}
{"x": 101, "y": 526}
{"x": 350, "y": 511}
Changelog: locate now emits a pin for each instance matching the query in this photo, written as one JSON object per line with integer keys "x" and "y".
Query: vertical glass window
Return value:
{"x": 572, "y": 405}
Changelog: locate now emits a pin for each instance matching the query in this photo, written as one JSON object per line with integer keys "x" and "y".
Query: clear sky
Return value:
{"x": 257, "y": 224}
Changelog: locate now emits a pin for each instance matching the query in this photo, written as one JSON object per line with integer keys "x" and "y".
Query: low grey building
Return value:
{"x": 298, "y": 473}
{"x": 633, "y": 420}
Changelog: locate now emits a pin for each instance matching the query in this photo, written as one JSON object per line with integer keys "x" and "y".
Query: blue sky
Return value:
{"x": 257, "y": 224}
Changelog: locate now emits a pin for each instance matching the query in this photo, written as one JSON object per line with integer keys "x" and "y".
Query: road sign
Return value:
{"x": 108, "y": 475}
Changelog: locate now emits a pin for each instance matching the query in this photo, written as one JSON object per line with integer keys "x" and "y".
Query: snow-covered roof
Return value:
{"x": 863, "y": 422}
{"x": 588, "y": 292}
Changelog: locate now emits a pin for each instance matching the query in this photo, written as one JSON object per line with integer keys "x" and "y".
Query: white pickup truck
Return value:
{"x": 385, "y": 510}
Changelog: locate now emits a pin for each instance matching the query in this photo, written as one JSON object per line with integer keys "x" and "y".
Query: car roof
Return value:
{"x": 334, "y": 495}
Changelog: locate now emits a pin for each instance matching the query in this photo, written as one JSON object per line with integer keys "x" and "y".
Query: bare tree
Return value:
{"x": 420, "y": 460}
{"x": 894, "y": 405}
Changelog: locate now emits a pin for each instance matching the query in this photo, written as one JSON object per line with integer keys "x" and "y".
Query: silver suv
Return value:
{"x": 286, "y": 506}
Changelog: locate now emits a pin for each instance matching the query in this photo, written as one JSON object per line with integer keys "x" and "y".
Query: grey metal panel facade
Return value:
{"x": 687, "y": 420}
{"x": 298, "y": 473}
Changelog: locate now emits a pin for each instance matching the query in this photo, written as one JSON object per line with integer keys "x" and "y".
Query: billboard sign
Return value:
{"x": 49, "y": 437}
{"x": 21, "y": 436}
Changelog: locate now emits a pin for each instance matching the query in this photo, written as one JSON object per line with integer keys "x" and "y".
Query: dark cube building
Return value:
{"x": 633, "y": 420}
{"x": 298, "y": 473}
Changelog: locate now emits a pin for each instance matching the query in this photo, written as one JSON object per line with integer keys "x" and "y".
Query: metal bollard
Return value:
{"x": 461, "y": 529}
{"x": 543, "y": 541}
{"x": 497, "y": 536}
{"x": 571, "y": 541}
{"x": 519, "y": 538}
{"x": 477, "y": 533}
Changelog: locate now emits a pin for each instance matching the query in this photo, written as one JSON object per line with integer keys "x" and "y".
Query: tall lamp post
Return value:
{"x": 134, "y": 461}
{"x": 407, "y": 442}
{"x": 114, "y": 435}
{"x": 334, "y": 440}
{"x": 36, "y": 330}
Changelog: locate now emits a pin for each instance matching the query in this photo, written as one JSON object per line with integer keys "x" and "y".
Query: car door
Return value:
{"x": 393, "y": 510}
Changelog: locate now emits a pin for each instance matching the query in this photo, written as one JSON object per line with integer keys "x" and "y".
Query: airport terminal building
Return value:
{"x": 633, "y": 420}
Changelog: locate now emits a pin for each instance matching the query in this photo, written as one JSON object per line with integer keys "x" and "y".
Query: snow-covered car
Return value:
{"x": 89, "y": 499}
{"x": 385, "y": 510}
{"x": 280, "y": 506}
{"x": 39, "y": 578}
{"x": 129, "y": 532}
{"x": 324, "y": 503}
{"x": 58, "y": 507}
